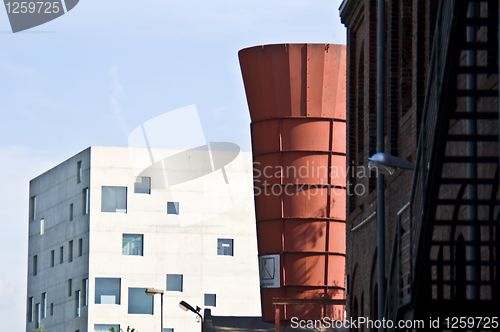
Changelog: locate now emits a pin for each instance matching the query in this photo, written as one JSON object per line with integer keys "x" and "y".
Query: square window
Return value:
{"x": 71, "y": 212}
{"x": 79, "y": 171}
{"x": 225, "y": 247}
{"x": 106, "y": 327}
{"x": 210, "y": 300}
{"x": 85, "y": 201}
{"x": 33, "y": 208}
{"x": 172, "y": 207}
{"x": 52, "y": 258}
{"x": 107, "y": 290}
{"x": 174, "y": 282}
{"x": 132, "y": 244}
{"x": 139, "y": 302}
{"x": 114, "y": 199}
{"x": 35, "y": 265}
{"x": 61, "y": 255}
{"x": 142, "y": 185}
{"x": 70, "y": 251}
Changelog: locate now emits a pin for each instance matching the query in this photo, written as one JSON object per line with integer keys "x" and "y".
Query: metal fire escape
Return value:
{"x": 446, "y": 253}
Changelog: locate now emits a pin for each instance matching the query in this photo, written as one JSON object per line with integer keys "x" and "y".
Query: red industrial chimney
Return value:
{"x": 296, "y": 97}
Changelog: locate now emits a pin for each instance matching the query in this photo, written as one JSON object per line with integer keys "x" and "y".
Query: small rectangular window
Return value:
{"x": 77, "y": 303}
{"x": 61, "y": 255}
{"x": 174, "y": 282}
{"x": 35, "y": 265}
{"x": 37, "y": 323}
{"x": 85, "y": 202}
{"x": 33, "y": 208}
{"x": 30, "y": 309}
{"x": 142, "y": 185}
{"x": 42, "y": 226}
{"x": 210, "y": 300}
{"x": 132, "y": 244}
{"x": 172, "y": 207}
{"x": 105, "y": 327}
{"x": 225, "y": 247}
{"x": 79, "y": 171}
{"x": 139, "y": 302}
{"x": 168, "y": 330}
{"x": 71, "y": 212}
{"x": 52, "y": 309}
{"x": 107, "y": 290}
{"x": 114, "y": 199}
{"x": 70, "y": 251}
{"x": 70, "y": 287}
{"x": 52, "y": 258}
{"x": 85, "y": 292}
{"x": 80, "y": 247}
{"x": 44, "y": 305}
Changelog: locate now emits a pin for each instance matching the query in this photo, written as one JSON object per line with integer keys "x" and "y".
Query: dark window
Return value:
{"x": 44, "y": 305}
{"x": 52, "y": 258}
{"x": 114, "y": 199}
{"x": 52, "y": 309}
{"x": 139, "y": 302}
{"x": 174, "y": 282}
{"x": 225, "y": 247}
{"x": 142, "y": 185}
{"x": 70, "y": 286}
{"x": 61, "y": 255}
{"x": 80, "y": 247}
{"x": 107, "y": 290}
{"x": 71, "y": 212}
{"x": 79, "y": 171}
{"x": 210, "y": 300}
{"x": 33, "y": 208}
{"x": 30, "y": 309}
{"x": 70, "y": 251}
{"x": 173, "y": 208}
{"x": 35, "y": 265}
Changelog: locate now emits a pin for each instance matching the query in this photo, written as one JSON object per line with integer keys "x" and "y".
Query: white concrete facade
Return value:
{"x": 211, "y": 206}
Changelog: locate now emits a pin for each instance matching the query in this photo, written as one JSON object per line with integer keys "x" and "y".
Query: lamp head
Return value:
{"x": 387, "y": 164}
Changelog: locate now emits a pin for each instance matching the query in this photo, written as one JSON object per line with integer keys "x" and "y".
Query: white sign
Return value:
{"x": 269, "y": 271}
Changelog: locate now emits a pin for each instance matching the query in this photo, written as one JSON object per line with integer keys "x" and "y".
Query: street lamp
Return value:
{"x": 153, "y": 292}
{"x": 186, "y": 306}
{"x": 387, "y": 164}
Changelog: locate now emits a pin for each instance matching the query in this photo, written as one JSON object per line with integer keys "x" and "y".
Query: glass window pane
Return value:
{"x": 142, "y": 185}
{"x": 106, "y": 327}
{"x": 173, "y": 208}
{"x": 114, "y": 199}
{"x": 225, "y": 247}
{"x": 174, "y": 282}
{"x": 210, "y": 300}
{"x": 107, "y": 290}
{"x": 139, "y": 302}
{"x": 132, "y": 244}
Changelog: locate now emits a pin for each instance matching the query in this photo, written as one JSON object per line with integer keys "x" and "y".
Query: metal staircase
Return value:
{"x": 446, "y": 254}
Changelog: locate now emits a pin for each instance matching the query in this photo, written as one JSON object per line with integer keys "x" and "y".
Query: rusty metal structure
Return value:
{"x": 296, "y": 97}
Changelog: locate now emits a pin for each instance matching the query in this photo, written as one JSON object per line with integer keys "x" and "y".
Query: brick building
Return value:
{"x": 441, "y": 113}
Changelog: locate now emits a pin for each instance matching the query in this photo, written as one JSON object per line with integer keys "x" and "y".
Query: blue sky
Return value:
{"x": 94, "y": 74}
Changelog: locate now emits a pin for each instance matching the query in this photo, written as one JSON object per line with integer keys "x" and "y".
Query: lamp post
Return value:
{"x": 153, "y": 292}
{"x": 386, "y": 164}
{"x": 186, "y": 306}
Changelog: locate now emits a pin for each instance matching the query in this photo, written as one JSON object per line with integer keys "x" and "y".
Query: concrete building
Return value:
{"x": 110, "y": 222}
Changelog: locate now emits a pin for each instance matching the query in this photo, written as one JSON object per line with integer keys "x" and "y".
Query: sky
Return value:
{"x": 94, "y": 74}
